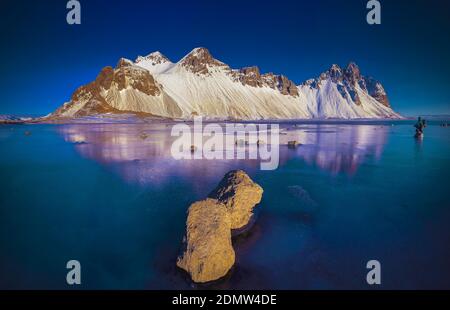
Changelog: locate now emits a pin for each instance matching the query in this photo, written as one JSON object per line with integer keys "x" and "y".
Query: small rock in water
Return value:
{"x": 208, "y": 253}
{"x": 301, "y": 194}
{"x": 143, "y": 136}
{"x": 293, "y": 144}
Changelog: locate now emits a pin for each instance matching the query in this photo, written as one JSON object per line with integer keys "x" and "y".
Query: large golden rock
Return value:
{"x": 240, "y": 194}
{"x": 208, "y": 253}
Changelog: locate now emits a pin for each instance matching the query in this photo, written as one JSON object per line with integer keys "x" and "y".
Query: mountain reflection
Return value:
{"x": 141, "y": 152}
{"x": 341, "y": 148}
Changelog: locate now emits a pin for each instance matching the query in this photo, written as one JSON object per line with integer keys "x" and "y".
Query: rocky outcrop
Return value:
{"x": 376, "y": 90}
{"x": 352, "y": 73}
{"x": 250, "y": 76}
{"x": 347, "y": 80}
{"x": 286, "y": 86}
{"x": 156, "y": 58}
{"x": 101, "y": 95}
{"x": 199, "y": 60}
{"x": 240, "y": 195}
{"x": 89, "y": 97}
{"x": 127, "y": 75}
{"x": 208, "y": 253}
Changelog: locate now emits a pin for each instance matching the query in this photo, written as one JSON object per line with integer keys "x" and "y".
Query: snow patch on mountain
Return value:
{"x": 155, "y": 62}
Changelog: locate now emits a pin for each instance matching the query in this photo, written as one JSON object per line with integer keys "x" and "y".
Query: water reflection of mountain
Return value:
{"x": 340, "y": 148}
{"x": 141, "y": 152}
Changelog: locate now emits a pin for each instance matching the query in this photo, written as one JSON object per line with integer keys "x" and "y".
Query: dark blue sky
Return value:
{"x": 43, "y": 59}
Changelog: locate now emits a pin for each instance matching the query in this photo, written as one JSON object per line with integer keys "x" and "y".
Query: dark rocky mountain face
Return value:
{"x": 376, "y": 90}
{"x": 128, "y": 75}
{"x": 123, "y": 76}
{"x": 199, "y": 60}
{"x": 251, "y": 76}
{"x": 347, "y": 79}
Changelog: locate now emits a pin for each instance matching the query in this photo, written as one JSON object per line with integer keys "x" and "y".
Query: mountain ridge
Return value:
{"x": 199, "y": 84}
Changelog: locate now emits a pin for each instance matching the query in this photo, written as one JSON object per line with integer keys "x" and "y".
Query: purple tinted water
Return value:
{"x": 116, "y": 202}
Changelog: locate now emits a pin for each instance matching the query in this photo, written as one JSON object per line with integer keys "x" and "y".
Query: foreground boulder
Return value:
{"x": 240, "y": 195}
{"x": 208, "y": 253}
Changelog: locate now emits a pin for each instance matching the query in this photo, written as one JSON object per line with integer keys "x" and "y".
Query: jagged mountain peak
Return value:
{"x": 352, "y": 66}
{"x": 248, "y": 76}
{"x": 335, "y": 72}
{"x": 335, "y": 67}
{"x": 252, "y": 70}
{"x": 155, "y": 63}
{"x": 352, "y": 71}
{"x": 200, "y": 52}
{"x": 198, "y": 61}
{"x": 124, "y": 62}
{"x": 252, "y": 76}
{"x": 349, "y": 81}
{"x": 376, "y": 90}
{"x": 350, "y": 74}
{"x": 156, "y": 58}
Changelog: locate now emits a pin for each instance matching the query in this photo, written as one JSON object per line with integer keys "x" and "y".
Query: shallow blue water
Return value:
{"x": 104, "y": 196}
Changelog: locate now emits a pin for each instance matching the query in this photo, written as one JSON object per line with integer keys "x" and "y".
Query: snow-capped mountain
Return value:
{"x": 199, "y": 84}
{"x": 13, "y": 119}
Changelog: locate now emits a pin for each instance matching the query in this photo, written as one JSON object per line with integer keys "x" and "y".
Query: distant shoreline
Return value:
{"x": 127, "y": 119}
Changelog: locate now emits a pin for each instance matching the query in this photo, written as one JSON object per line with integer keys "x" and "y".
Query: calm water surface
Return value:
{"x": 117, "y": 203}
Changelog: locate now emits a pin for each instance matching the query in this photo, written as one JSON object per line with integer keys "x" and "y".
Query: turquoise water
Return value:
{"x": 116, "y": 202}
